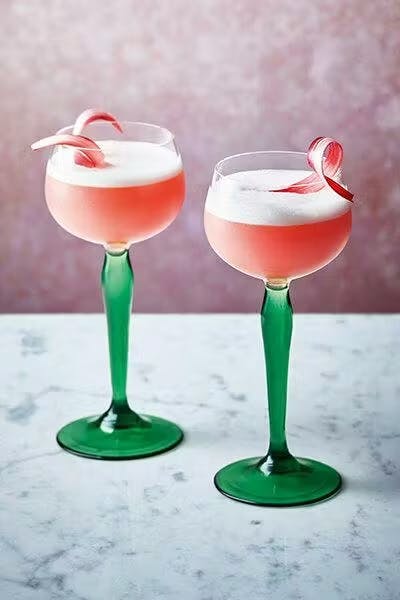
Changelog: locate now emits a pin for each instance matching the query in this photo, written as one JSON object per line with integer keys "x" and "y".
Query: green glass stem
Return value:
{"x": 119, "y": 433}
{"x": 277, "y": 479}
{"x": 117, "y": 282}
{"x": 276, "y": 325}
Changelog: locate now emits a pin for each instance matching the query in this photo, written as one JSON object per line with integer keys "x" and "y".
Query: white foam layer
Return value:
{"x": 244, "y": 197}
{"x": 127, "y": 164}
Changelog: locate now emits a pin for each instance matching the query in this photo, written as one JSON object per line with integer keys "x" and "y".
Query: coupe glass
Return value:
{"x": 243, "y": 223}
{"x": 128, "y": 211}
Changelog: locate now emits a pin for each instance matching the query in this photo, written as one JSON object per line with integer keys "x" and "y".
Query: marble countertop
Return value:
{"x": 157, "y": 529}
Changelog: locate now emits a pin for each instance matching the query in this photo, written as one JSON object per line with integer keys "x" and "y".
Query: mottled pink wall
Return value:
{"x": 226, "y": 76}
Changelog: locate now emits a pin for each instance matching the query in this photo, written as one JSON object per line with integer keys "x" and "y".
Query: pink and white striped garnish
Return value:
{"x": 325, "y": 167}
{"x": 88, "y": 153}
{"x": 90, "y": 115}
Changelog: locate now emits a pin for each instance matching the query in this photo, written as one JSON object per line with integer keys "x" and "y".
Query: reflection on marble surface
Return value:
{"x": 157, "y": 529}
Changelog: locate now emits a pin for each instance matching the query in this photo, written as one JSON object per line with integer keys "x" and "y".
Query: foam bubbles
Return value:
{"x": 128, "y": 164}
{"x": 244, "y": 197}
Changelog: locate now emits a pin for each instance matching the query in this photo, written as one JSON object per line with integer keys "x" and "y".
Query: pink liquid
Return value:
{"x": 107, "y": 215}
{"x": 278, "y": 251}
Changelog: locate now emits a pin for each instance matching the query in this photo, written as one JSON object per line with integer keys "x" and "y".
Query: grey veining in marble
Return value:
{"x": 156, "y": 529}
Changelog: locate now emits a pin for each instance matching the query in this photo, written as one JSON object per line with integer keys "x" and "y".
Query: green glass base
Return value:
{"x": 309, "y": 481}
{"x": 95, "y": 437}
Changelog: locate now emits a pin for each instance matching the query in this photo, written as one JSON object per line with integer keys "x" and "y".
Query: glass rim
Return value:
{"x": 170, "y": 137}
{"x": 217, "y": 168}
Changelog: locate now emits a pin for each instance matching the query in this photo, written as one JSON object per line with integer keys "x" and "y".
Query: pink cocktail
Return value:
{"x": 121, "y": 185}
{"x": 137, "y": 195}
{"x": 275, "y": 235}
{"x": 278, "y": 216}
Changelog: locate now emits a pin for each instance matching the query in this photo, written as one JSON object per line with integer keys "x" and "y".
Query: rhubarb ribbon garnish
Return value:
{"x": 325, "y": 167}
{"x": 90, "y": 115}
{"x": 88, "y": 153}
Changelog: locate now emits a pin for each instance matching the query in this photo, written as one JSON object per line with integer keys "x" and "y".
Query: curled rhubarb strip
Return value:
{"x": 325, "y": 167}
{"x": 90, "y": 115}
{"x": 88, "y": 153}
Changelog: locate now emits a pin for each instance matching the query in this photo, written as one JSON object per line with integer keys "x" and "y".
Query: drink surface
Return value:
{"x": 137, "y": 194}
{"x": 275, "y": 235}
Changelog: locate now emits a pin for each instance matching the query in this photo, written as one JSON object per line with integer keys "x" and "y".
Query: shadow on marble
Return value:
{"x": 374, "y": 486}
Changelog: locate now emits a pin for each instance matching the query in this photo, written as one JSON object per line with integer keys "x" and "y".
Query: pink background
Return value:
{"x": 226, "y": 76}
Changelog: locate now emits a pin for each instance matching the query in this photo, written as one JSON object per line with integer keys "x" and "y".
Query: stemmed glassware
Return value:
{"x": 122, "y": 185}
{"x": 270, "y": 216}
